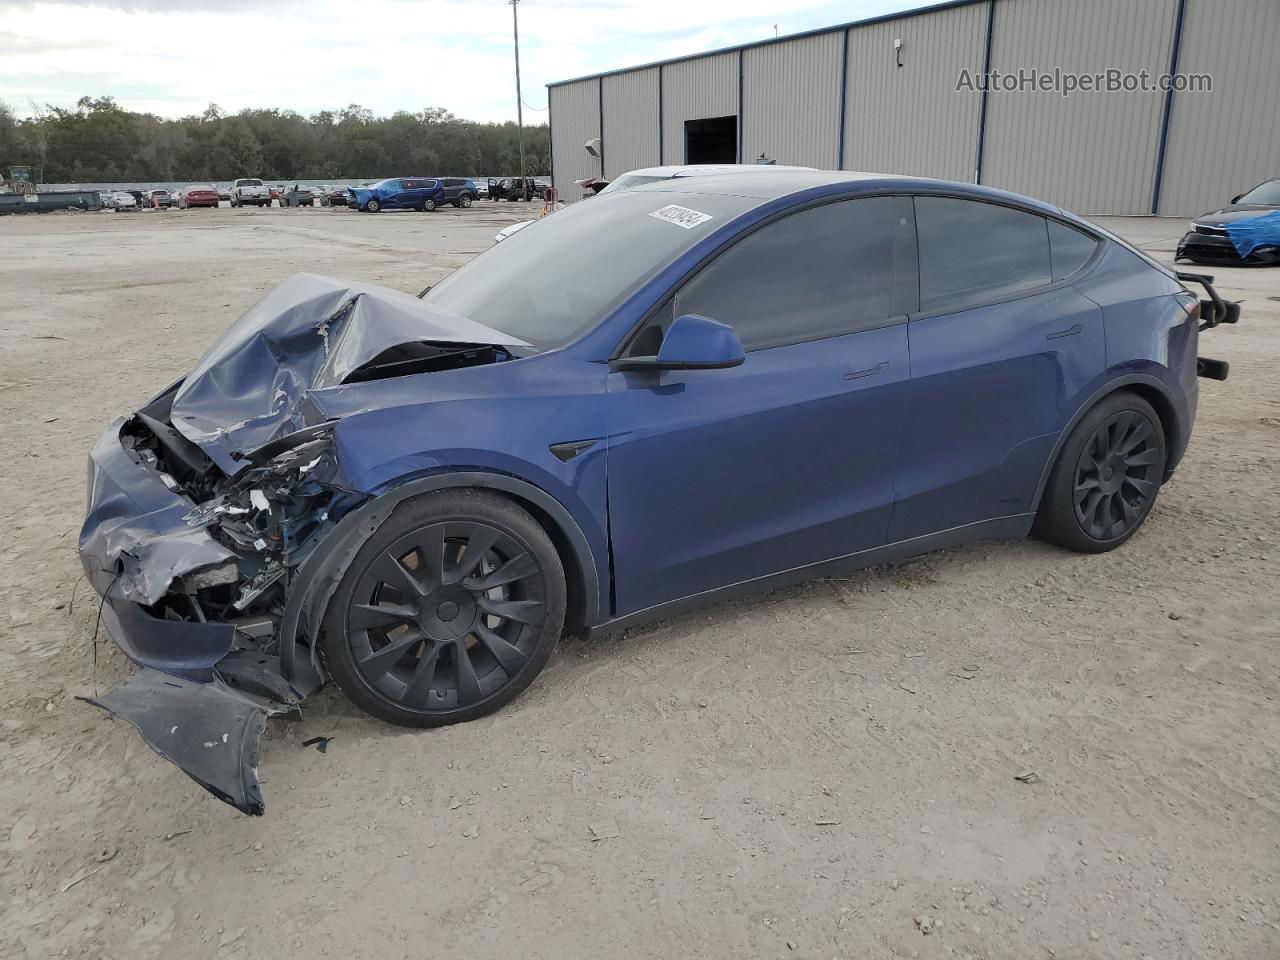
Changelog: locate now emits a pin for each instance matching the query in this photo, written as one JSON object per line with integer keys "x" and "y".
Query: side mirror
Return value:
{"x": 692, "y": 343}
{"x": 1236, "y": 199}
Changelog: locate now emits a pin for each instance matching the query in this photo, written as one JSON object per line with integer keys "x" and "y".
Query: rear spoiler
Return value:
{"x": 1215, "y": 310}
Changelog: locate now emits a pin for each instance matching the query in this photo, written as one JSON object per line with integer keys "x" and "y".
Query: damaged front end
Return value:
{"x": 210, "y": 530}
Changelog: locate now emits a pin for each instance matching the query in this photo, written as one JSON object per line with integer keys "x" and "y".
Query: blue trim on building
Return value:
{"x": 661, "y": 146}
{"x": 1167, "y": 111}
{"x": 551, "y": 140}
{"x": 600, "y": 101}
{"x": 986, "y": 92}
{"x": 740, "y": 111}
{"x": 844, "y": 98}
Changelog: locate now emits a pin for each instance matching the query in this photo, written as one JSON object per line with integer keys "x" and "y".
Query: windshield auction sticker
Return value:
{"x": 681, "y": 216}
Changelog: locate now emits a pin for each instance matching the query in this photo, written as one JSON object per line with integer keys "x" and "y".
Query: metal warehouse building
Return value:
{"x": 853, "y": 97}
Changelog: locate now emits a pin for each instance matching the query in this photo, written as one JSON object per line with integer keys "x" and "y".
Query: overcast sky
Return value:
{"x": 174, "y": 57}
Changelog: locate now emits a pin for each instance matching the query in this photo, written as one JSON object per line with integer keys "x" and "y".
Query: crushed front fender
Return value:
{"x": 209, "y": 730}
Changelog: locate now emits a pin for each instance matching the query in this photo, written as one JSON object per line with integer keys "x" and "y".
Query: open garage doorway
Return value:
{"x": 713, "y": 140}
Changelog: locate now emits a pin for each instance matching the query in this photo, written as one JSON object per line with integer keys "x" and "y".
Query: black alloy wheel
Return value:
{"x": 449, "y": 610}
{"x": 1107, "y": 476}
{"x": 1114, "y": 483}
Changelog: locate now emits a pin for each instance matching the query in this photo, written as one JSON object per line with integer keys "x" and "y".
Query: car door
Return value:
{"x": 722, "y": 476}
{"x": 408, "y": 194}
{"x": 1001, "y": 349}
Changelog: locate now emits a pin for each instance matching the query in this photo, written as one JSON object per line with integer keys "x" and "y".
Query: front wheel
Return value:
{"x": 448, "y": 611}
{"x": 1106, "y": 477}
{"x": 373, "y": 206}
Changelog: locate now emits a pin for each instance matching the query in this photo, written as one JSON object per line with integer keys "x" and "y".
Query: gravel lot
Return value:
{"x": 826, "y": 771}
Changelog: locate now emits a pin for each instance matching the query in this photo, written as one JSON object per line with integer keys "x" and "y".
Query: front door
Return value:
{"x": 722, "y": 476}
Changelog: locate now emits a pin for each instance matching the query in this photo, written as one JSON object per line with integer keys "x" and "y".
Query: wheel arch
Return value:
{"x": 1150, "y": 389}
{"x": 323, "y": 569}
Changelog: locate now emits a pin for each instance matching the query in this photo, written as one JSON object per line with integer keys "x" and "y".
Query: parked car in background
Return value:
{"x": 417, "y": 505}
{"x": 482, "y": 188}
{"x": 298, "y": 195}
{"x": 250, "y": 191}
{"x": 139, "y": 198}
{"x": 1209, "y": 241}
{"x": 399, "y": 193}
{"x": 123, "y": 200}
{"x": 515, "y": 188}
{"x": 339, "y": 196}
{"x": 197, "y": 195}
{"x": 224, "y": 193}
{"x": 159, "y": 198}
{"x": 459, "y": 191}
{"x": 108, "y": 199}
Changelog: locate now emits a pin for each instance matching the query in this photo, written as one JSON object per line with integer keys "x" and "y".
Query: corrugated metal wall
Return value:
{"x": 910, "y": 119}
{"x": 791, "y": 101}
{"x": 575, "y": 119}
{"x": 694, "y": 90}
{"x": 630, "y": 121}
{"x": 1224, "y": 142}
{"x": 1091, "y": 153}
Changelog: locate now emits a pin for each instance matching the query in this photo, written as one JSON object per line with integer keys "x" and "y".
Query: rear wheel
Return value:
{"x": 464, "y": 200}
{"x": 448, "y": 611}
{"x": 428, "y": 205}
{"x": 1106, "y": 478}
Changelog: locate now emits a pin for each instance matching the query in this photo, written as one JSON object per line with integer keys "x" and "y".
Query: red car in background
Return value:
{"x": 197, "y": 195}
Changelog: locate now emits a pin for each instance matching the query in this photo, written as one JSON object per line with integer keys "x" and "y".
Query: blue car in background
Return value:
{"x": 755, "y": 380}
{"x": 398, "y": 193}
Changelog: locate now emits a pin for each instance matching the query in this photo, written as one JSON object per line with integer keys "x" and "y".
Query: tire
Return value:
{"x": 373, "y": 206}
{"x": 423, "y": 642}
{"x": 1106, "y": 478}
{"x": 464, "y": 201}
{"x": 428, "y": 205}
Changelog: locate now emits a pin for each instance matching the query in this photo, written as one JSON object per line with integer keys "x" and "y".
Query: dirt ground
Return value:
{"x": 826, "y": 771}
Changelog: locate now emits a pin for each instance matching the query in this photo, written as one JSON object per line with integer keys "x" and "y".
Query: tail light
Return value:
{"x": 1190, "y": 303}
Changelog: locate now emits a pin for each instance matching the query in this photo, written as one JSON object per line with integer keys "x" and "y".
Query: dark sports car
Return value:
{"x": 759, "y": 380}
{"x": 1209, "y": 240}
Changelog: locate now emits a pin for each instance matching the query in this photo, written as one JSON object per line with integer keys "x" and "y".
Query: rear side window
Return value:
{"x": 1069, "y": 249}
{"x": 822, "y": 272}
{"x": 973, "y": 253}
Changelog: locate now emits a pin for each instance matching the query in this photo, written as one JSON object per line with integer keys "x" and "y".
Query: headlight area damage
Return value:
{"x": 219, "y": 518}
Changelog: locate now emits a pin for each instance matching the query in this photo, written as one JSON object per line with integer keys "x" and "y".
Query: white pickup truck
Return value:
{"x": 250, "y": 191}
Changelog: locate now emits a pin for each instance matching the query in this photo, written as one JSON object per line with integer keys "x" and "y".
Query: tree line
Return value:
{"x": 99, "y": 142}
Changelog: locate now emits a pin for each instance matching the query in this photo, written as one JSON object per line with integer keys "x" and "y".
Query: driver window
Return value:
{"x": 822, "y": 272}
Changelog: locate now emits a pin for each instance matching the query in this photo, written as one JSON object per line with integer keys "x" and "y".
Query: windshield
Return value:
{"x": 250, "y": 183}
{"x": 377, "y": 184}
{"x": 1267, "y": 193}
{"x": 546, "y": 285}
{"x": 627, "y": 181}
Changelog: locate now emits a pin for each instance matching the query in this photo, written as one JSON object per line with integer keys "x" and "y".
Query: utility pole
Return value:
{"x": 515, "y": 31}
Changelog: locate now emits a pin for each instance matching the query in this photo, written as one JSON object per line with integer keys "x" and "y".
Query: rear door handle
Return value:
{"x": 1071, "y": 331}
{"x": 875, "y": 371}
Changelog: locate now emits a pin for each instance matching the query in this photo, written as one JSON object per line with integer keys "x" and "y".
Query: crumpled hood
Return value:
{"x": 309, "y": 333}
{"x": 1233, "y": 212}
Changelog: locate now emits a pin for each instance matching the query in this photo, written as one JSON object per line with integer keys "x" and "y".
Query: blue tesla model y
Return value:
{"x": 659, "y": 398}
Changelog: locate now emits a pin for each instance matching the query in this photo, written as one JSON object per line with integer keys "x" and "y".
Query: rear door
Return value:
{"x": 1001, "y": 348}
{"x": 722, "y": 476}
